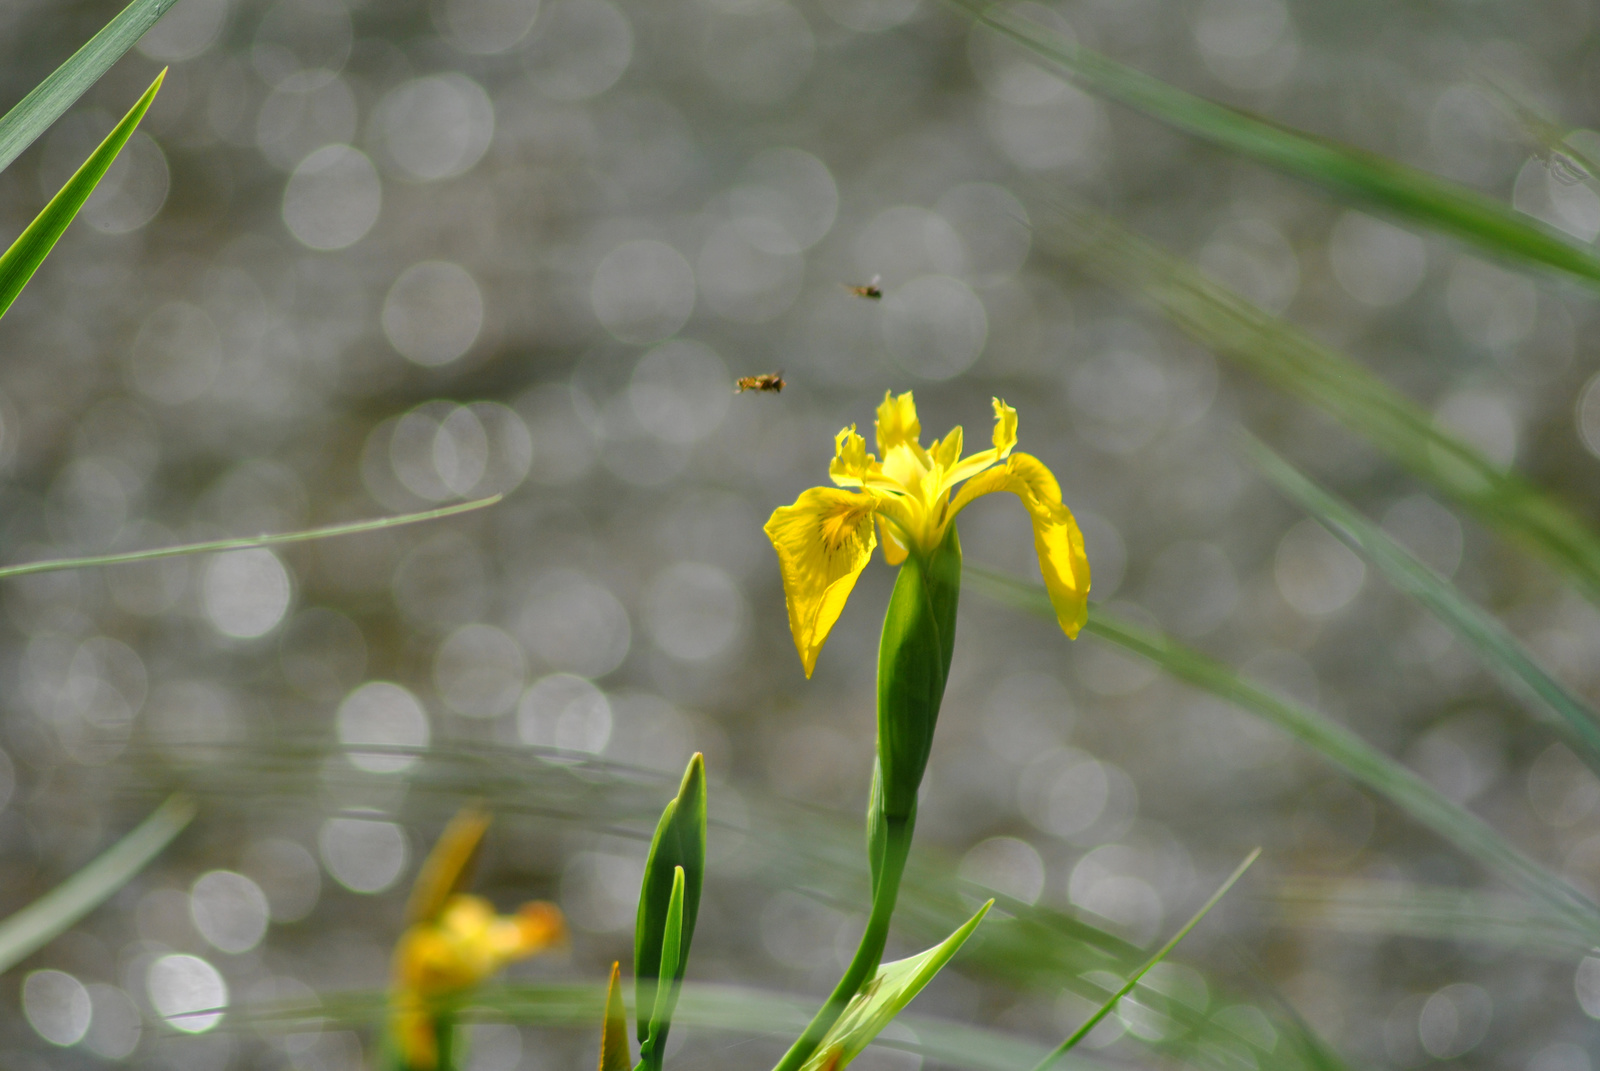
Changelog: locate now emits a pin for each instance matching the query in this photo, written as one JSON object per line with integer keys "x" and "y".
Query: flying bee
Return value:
{"x": 771, "y": 382}
{"x": 870, "y": 291}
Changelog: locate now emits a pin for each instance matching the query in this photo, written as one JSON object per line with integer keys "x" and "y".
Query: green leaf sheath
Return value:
{"x": 679, "y": 843}
{"x": 1338, "y": 745}
{"x": 1293, "y": 361}
{"x": 19, "y": 262}
{"x": 26, "y": 931}
{"x": 1490, "y": 641}
{"x": 919, "y": 635}
{"x": 50, "y": 99}
{"x": 885, "y": 997}
{"x": 1367, "y": 179}
{"x": 1162, "y": 953}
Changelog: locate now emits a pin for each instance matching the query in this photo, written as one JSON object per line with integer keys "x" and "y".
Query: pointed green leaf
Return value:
{"x": 1292, "y": 360}
{"x": 47, "y": 101}
{"x": 679, "y": 841}
{"x": 28, "y": 930}
{"x": 18, "y": 263}
{"x": 614, "y": 1033}
{"x": 1363, "y": 178}
{"x": 1493, "y": 644}
{"x": 53, "y": 565}
{"x": 653, "y": 1050}
{"x": 1338, "y": 745}
{"x": 1106, "y": 1008}
{"x": 881, "y": 999}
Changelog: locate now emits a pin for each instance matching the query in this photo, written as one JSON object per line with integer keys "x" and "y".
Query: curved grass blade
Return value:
{"x": 46, "y": 102}
{"x": 1341, "y": 747}
{"x": 1355, "y": 175}
{"x": 19, "y": 262}
{"x": 1494, "y": 645}
{"x": 1165, "y": 950}
{"x": 28, "y": 930}
{"x": 354, "y": 527}
{"x": 1232, "y": 327}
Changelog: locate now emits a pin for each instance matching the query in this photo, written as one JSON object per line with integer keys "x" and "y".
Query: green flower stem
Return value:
{"x": 919, "y": 632}
{"x": 896, "y": 841}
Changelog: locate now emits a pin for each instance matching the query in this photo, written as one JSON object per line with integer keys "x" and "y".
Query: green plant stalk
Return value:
{"x": 914, "y": 655}
{"x": 1161, "y": 954}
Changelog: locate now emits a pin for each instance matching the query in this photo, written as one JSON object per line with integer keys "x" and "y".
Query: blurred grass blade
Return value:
{"x": 1133, "y": 979}
{"x": 883, "y": 998}
{"x": 1333, "y": 742}
{"x": 1363, "y": 178}
{"x": 1232, "y": 327}
{"x": 30, "y": 929}
{"x": 354, "y": 527}
{"x": 19, "y": 262}
{"x": 1394, "y": 908}
{"x": 1494, "y": 646}
{"x": 34, "y": 113}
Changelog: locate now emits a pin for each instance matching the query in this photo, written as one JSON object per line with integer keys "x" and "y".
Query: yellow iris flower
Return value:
{"x": 455, "y": 941}
{"x": 826, "y": 538}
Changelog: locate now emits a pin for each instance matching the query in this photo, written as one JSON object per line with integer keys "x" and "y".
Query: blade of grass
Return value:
{"x": 46, "y": 102}
{"x": 28, "y": 930}
{"x": 352, "y": 528}
{"x": 1338, "y": 745}
{"x": 19, "y": 262}
{"x": 1493, "y": 644}
{"x": 1133, "y": 979}
{"x": 1367, "y": 179}
{"x": 1232, "y": 327}
{"x": 1402, "y": 909}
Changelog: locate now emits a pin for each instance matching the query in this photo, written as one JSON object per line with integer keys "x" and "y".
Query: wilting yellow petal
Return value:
{"x": 897, "y": 423}
{"x": 1055, "y": 533}
{"x": 823, "y": 542}
{"x": 851, "y": 463}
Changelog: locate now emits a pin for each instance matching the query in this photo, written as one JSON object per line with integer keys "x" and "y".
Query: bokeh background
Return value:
{"x": 369, "y": 257}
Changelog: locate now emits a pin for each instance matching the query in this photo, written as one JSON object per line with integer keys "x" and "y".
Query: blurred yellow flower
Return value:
{"x": 455, "y": 941}
{"x": 826, "y": 538}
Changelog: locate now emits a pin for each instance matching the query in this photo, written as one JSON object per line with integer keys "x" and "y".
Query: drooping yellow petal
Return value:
{"x": 1062, "y": 561}
{"x": 823, "y": 542}
{"x": 897, "y": 423}
{"x": 851, "y": 464}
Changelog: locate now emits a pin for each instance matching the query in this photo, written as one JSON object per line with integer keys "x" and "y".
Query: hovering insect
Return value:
{"x": 870, "y": 291}
{"x": 771, "y": 382}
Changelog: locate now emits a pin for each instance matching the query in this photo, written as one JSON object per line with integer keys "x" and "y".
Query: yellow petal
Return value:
{"x": 1055, "y": 533}
{"x": 897, "y": 423}
{"x": 823, "y": 542}
{"x": 851, "y": 463}
{"x": 947, "y": 451}
{"x": 448, "y": 868}
{"x": 1005, "y": 428}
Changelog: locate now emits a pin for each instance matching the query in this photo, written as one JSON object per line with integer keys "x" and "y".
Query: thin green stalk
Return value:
{"x": 1161, "y": 954}
{"x": 869, "y": 953}
{"x": 352, "y": 528}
